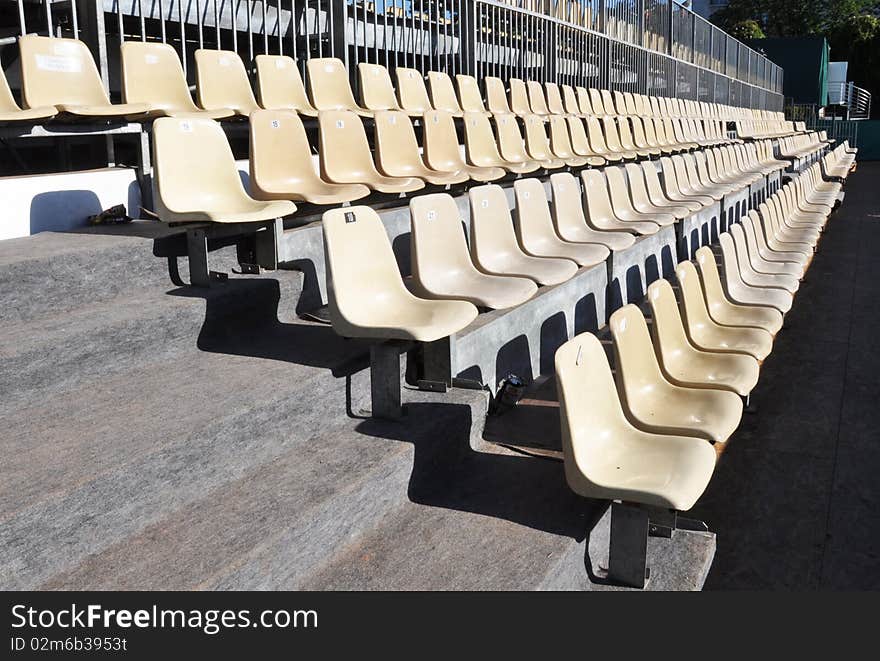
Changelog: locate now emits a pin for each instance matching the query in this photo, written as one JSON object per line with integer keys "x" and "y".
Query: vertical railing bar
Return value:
{"x": 182, "y": 37}
{"x": 161, "y": 21}
{"x": 250, "y": 29}
{"x": 385, "y": 35}
{"x": 200, "y": 24}
{"x": 265, "y": 32}
{"x": 75, "y": 18}
{"x": 235, "y": 4}
{"x": 48, "y": 5}
{"x": 217, "y": 25}
{"x": 142, "y": 21}
{"x": 22, "y": 24}
{"x": 119, "y": 21}
{"x": 375, "y": 32}
{"x": 278, "y": 26}
{"x": 294, "y": 30}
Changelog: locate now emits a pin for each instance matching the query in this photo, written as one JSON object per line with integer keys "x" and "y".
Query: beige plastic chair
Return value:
{"x": 600, "y": 214}
{"x": 494, "y": 246}
{"x": 605, "y": 455}
{"x": 658, "y": 196}
{"x": 280, "y": 85}
{"x": 622, "y": 205}
{"x": 568, "y": 216}
{"x": 534, "y": 228}
{"x": 612, "y": 139}
{"x": 152, "y": 74}
{"x": 537, "y": 100}
{"x": 708, "y": 335}
{"x": 749, "y": 274}
{"x": 346, "y": 158}
{"x": 397, "y": 151}
{"x": 223, "y": 82}
{"x": 755, "y": 270}
{"x": 484, "y": 151}
{"x": 722, "y": 309}
{"x": 281, "y": 165}
{"x": 627, "y": 141}
{"x": 412, "y": 92}
{"x": 685, "y": 365}
{"x": 570, "y": 101}
{"x": 641, "y": 139}
{"x": 442, "y": 151}
{"x": 777, "y": 239}
{"x": 442, "y": 92}
{"x": 496, "y": 97}
{"x": 555, "y": 104}
{"x": 580, "y": 143}
{"x": 585, "y": 103}
{"x": 597, "y": 141}
{"x": 674, "y": 189}
{"x": 794, "y": 262}
{"x": 62, "y": 73}
{"x": 641, "y": 200}
{"x": 519, "y": 98}
{"x": 469, "y": 94}
{"x": 10, "y": 112}
{"x": 441, "y": 263}
{"x": 538, "y": 145}
{"x": 329, "y": 86}
{"x": 655, "y": 404}
{"x": 196, "y": 178}
{"x": 377, "y": 91}
{"x": 365, "y": 291}
{"x": 598, "y": 104}
{"x": 739, "y": 290}
{"x": 560, "y": 143}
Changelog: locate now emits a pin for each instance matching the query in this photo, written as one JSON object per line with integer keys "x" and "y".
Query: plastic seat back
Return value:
{"x": 412, "y": 91}
{"x": 636, "y": 362}
{"x": 568, "y": 205}
{"x": 496, "y": 98}
{"x": 329, "y": 85}
{"x": 223, "y": 81}
{"x": 492, "y": 230}
{"x": 537, "y": 143}
{"x": 57, "y": 71}
{"x": 194, "y": 170}
{"x": 363, "y": 282}
{"x": 280, "y": 155}
{"x": 377, "y": 92}
{"x": 569, "y": 98}
{"x": 555, "y": 104}
{"x": 537, "y": 100}
{"x": 585, "y": 103}
{"x": 443, "y": 95}
{"x": 7, "y": 101}
{"x": 591, "y": 414}
{"x": 596, "y": 194}
{"x": 439, "y": 245}
{"x": 280, "y": 85}
{"x": 482, "y": 149}
{"x": 345, "y": 152}
{"x": 693, "y": 303}
{"x": 519, "y": 97}
{"x": 397, "y": 151}
{"x": 511, "y": 144}
{"x": 469, "y": 94}
{"x": 152, "y": 73}
{"x": 533, "y": 221}
{"x": 670, "y": 337}
{"x": 440, "y": 142}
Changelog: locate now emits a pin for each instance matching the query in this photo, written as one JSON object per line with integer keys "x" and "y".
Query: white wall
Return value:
{"x": 61, "y": 202}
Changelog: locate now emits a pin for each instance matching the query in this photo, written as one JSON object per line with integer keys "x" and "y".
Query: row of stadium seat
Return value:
{"x": 642, "y": 442}
{"x": 59, "y": 76}
{"x": 529, "y": 244}
{"x": 632, "y": 200}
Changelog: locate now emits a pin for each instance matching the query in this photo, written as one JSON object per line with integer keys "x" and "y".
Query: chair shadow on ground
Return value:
{"x": 242, "y": 319}
{"x": 448, "y": 473}
{"x": 529, "y": 491}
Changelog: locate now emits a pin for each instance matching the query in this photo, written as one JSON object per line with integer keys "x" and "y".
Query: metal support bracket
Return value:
{"x": 385, "y": 389}
{"x": 628, "y": 549}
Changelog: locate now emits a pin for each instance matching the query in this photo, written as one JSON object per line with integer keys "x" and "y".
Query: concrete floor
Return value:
{"x": 795, "y": 501}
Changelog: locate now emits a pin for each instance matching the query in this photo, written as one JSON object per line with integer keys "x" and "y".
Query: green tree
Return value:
{"x": 749, "y": 29}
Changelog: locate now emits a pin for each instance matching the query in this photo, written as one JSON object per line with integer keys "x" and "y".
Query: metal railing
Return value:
{"x": 646, "y": 46}
{"x": 856, "y": 100}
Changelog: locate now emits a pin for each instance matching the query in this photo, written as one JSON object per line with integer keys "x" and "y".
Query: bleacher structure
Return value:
{"x": 607, "y": 193}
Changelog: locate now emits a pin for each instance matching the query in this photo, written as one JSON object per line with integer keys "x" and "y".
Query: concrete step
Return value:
{"x": 54, "y": 352}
